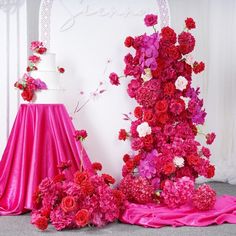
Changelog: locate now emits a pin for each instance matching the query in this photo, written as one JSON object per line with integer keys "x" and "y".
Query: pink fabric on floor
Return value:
{"x": 158, "y": 216}
{"x": 41, "y": 138}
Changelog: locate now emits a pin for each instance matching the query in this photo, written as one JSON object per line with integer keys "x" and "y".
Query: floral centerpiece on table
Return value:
{"x": 166, "y": 157}
{"x": 85, "y": 200}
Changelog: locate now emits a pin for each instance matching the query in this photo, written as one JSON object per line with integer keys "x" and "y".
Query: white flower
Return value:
{"x": 144, "y": 129}
{"x": 179, "y": 161}
{"x": 148, "y": 74}
{"x": 186, "y": 100}
{"x": 181, "y": 83}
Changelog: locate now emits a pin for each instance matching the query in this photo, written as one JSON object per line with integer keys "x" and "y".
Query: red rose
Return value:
{"x": 27, "y": 94}
{"x": 138, "y": 112}
{"x": 190, "y": 23}
{"x": 41, "y": 50}
{"x": 129, "y": 41}
{"x": 41, "y": 223}
{"x": 161, "y": 106}
{"x": 122, "y": 134}
{"x": 68, "y": 204}
{"x": 126, "y": 158}
{"x": 114, "y": 79}
{"x": 97, "y": 166}
{"x": 169, "y": 168}
{"x": 80, "y": 177}
{"x": 82, "y": 218}
{"x": 148, "y": 116}
{"x": 61, "y": 70}
{"x": 87, "y": 188}
{"x": 210, "y": 138}
{"x": 193, "y": 160}
{"x": 108, "y": 179}
{"x": 210, "y": 171}
{"x": 169, "y": 89}
{"x": 150, "y": 20}
{"x": 58, "y": 178}
{"x": 198, "y": 67}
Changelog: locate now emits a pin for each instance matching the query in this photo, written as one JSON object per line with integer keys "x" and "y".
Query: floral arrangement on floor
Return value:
{"x": 28, "y": 84}
{"x": 85, "y": 200}
{"x": 166, "y": 157}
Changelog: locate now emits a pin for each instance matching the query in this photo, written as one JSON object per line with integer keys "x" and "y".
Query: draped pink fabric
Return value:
{"x": 157, "y": 216}
{"x": 41, "y": 138}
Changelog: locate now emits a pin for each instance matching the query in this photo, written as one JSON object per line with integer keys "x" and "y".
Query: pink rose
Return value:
{"x": 150, "y": 20}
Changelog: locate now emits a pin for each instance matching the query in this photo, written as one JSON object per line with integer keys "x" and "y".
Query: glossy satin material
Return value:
{"x": 158, "y": 216}
{"x": 42, "y": 137}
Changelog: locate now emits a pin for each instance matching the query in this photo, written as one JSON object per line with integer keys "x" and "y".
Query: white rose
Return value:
{"x": 144, "y": 129}
{"x": 148, "y": 74}
{"x": 181, "y": 83}
{"x": 179, "y": 161}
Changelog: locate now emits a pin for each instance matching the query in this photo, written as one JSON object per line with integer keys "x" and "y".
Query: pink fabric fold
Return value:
{"x": 157, "y": 216}
{"x": 42, "y": 137}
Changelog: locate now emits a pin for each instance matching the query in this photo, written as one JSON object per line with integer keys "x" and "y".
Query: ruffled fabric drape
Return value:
{"x": 42, "y": 137}
{"x": 157, "y": 216}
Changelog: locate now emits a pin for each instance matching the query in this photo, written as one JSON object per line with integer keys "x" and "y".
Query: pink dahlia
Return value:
{"x": 204, "y": 198}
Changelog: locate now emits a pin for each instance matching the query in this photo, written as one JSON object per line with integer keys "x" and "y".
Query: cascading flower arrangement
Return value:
{"x": 85, "y": 200}
{"x": 166, "y": 157}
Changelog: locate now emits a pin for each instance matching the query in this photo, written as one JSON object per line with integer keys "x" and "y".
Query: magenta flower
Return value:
{"x": 150, "y": 20}
{"x": 114, "y": 79}
{"x": 210, "y": 138}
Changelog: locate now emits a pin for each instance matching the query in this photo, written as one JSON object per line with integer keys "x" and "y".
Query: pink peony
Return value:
{"x": 150, "y": 20}
{"x": 204, "y": 198}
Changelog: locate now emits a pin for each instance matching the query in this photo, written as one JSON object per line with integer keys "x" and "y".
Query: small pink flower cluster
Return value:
{"x": 163, "y": 132}
{"x": 68, "y": 203}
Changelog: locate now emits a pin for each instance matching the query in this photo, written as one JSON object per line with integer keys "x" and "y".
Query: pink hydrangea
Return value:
{"x": 177, "y": 193}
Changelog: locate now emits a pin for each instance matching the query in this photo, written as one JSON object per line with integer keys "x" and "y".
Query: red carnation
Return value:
{"x": 186, "y": 42}
{"x": 198, "y": 67}
{"x": 68, "y": 204}
{"x": 122, "y": 134}
{"x": 138, "y": 112}
{"x": 129, "y": 41}
{"x": 190, "y": 23}
{"x": 193, "y": 160}
{"x": 130, "y": 165}
{"x": 41, "y": 223}
{"x": 114, "y": 79}
{"x": 97, "y": 166}
{"x": 173, "y": 52}
{"x": 41, "y": 50}
{"x": 148, "y": 142}
{"x": 82, "y": 218}
{"x": 80, "y": 177}
{"x": 80, "y": 135}
{"x": 61, "y": 70}
{"x": 108, "y": 179}
{"x": 169, "y": 89}
{"x": 59, "y": 178}
{"x": 148, "y": 116}
{"x": 210, "y": 171}
{"x": 168, "y": 35}
{"x": 87, "y": 188}
{"x": 126, "y": 158}
{"x": 163, "y": 118}
{"x": 210, "y": 138}
{"x": 169, "y": 168}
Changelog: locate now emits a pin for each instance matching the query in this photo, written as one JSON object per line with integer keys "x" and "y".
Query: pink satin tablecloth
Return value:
{"x": 158, "y": 216}
{"x": 41, "y": 138}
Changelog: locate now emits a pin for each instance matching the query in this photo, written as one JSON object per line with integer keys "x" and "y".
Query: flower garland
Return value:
{"x": 166, "y": 157}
